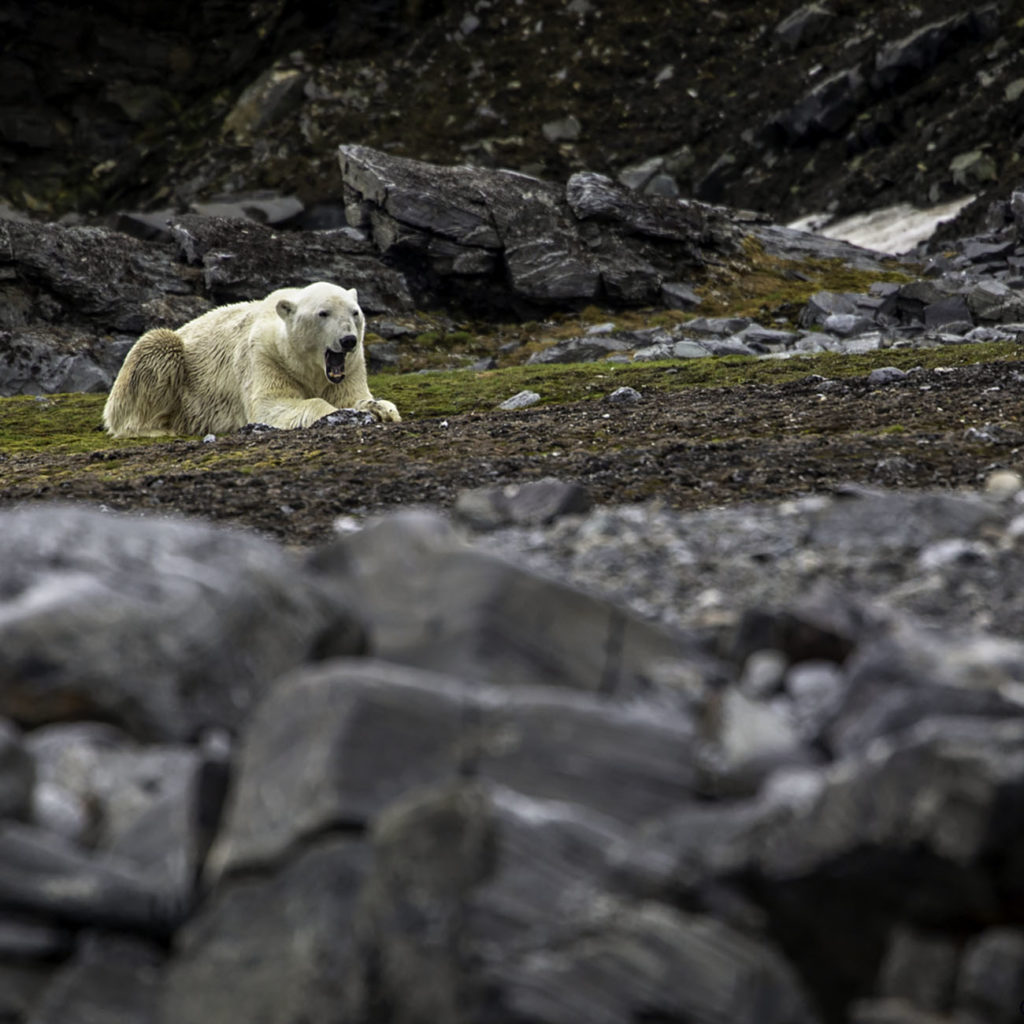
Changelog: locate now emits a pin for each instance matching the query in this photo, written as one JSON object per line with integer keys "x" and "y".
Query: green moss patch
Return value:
{"x": 459, "y": 391}
{"x": 57, "y": 423}
{"x": 773, "y": 289}
{"x": 70, "y": 424}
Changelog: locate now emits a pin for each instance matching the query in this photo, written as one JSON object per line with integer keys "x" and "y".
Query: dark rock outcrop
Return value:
{"x": 241, "y": 260}
{"x": 828, "y": 108}
{"x": 76, "y": 297}
{"x": 516, "y": 241}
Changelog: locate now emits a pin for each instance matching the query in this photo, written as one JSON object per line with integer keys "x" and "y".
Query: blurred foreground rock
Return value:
{"x": 401, "y": 778}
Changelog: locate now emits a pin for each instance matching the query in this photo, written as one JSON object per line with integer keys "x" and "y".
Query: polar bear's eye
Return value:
{"x": 324, "y": 312}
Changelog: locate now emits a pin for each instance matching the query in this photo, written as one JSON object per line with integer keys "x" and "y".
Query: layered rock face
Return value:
{"x": 671, "y": 770}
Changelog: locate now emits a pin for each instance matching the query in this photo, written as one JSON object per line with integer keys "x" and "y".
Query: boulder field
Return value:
{"x": 534, "y": 761}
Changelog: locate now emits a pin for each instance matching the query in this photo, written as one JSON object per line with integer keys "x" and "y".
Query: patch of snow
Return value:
{"x": 893, "y": 229}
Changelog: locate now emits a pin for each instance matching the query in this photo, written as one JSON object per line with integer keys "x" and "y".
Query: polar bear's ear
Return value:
{"x": 285, "y": 308}
{"x": 353, "y": 296}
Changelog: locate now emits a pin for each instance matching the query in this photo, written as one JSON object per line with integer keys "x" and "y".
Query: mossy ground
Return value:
{"x": 772, "y": 288}
{"x": 459, "y": 391}
{"x": 55, "y": 423}
{"x": 686, "y": 446}
{"x": 706, "y": 431}
{"x": 70, "y": 424}
{"x": 764, "y": 430}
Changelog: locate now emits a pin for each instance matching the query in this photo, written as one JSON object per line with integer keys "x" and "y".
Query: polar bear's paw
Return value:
{"x": 380, "y": 409}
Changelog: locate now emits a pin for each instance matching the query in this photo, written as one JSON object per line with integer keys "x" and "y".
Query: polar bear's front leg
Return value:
{"x": 289, "y": 413}
{"x": 380, "y": 409}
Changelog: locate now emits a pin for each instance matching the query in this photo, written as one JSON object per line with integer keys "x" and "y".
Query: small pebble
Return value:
{"x": 1002, "y": 483}
{"x": 886, "y": 375}
{"x": 521, "y": 400}
{"x": 763, "y": 672}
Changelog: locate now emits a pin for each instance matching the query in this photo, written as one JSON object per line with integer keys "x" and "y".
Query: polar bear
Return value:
{"x": 286, "y": 360}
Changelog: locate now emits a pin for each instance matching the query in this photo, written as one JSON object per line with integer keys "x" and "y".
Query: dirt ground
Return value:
{"x": 691, "y": 449}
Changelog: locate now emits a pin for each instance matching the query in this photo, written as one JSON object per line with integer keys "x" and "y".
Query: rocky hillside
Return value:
{"x": 778, "y": 107}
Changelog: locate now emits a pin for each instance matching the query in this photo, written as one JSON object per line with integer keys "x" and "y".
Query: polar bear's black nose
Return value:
{"x": 348, "y": 343}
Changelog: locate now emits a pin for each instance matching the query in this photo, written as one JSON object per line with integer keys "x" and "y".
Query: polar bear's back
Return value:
{"x": 215, "y": 342}
{"x": 220, "y": 327}
{"x": 215, "y": 345}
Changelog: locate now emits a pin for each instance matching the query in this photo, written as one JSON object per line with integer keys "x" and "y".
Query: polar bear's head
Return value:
{"x": 324, "y": 322}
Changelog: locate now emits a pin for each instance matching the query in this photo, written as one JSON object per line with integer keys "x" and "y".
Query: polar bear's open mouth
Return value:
{"x": 334, "y": 366}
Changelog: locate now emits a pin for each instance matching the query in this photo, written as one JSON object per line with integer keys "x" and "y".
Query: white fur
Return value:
{"x": 252, "y": 362}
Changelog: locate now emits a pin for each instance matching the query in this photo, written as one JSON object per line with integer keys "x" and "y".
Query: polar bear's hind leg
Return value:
{"x": 145, "y": 400}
